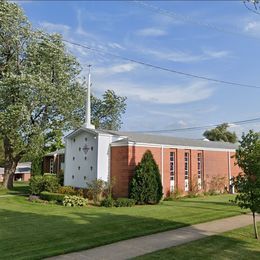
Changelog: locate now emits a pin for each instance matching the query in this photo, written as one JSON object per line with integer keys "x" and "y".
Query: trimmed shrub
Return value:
{"x": 51, "y": 183}
{"x": 108, "y": 202}
{"x": 146, "y": 185}
{"x": 68, "y": 190}
{"x": 49, "y": 196}
{"x": 48, "y": 183}
{"x": 36, "y": 184}
{"x": 124, "y": 202}
{"x": 74, "y": 201}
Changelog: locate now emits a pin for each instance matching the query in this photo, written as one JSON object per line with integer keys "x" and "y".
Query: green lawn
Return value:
{"x": 236, "y": 244}
{"x": 32, "y": 230}
{"x": 20, "y": 187}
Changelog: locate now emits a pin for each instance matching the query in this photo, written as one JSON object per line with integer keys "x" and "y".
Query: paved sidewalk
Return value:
{"x": 142, "y": 245}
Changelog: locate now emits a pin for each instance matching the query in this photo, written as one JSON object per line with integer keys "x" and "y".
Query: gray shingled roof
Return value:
{"x": 60, "y": 151}
{"x": 170, "y": 140}
{"x": 161, "y": 139}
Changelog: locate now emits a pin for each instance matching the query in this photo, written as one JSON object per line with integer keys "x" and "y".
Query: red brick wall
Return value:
{"x": 26, "y": 176}
{"x": 124, "y": 160}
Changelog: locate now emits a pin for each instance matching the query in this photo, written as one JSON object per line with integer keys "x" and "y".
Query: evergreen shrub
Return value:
{"x": 146, "y": 185}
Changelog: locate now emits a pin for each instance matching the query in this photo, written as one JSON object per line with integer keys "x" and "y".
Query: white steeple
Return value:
{"x": 87, "y": 123}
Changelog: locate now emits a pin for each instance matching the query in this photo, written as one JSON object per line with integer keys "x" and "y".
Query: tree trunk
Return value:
{"x": 9, "y": 172}
{"x": 255, "y": 226}
{"x": 11, "y": 162}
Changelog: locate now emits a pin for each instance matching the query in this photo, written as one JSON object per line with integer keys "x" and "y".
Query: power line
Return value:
{"x": 188, "y": 19}
{"x": 241, "y": 122}
{"x": 162, "y": 68}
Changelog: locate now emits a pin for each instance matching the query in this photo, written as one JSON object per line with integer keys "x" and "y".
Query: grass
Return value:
{"x": 20, "y": 187}
{"x": 236, "y": 244}
{"x": 33, "y": 230}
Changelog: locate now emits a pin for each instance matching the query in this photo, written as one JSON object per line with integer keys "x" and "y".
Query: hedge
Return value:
{"x": 50, "y": 196}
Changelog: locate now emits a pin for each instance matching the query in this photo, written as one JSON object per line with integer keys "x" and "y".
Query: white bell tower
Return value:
{"x": 87, "y": 123}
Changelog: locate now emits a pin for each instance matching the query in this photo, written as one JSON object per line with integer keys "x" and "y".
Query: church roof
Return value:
{"x": 136, "y": 137}
{"x": 170, "y": 140}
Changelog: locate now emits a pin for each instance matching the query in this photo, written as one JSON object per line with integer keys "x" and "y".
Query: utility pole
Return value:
{"x": 88, "y": 103}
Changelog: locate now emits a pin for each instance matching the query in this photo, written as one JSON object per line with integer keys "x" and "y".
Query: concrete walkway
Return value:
{"x": 142, "y": 245}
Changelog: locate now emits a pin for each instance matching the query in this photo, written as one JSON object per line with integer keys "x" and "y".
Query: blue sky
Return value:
{"x": 185, "y": 40}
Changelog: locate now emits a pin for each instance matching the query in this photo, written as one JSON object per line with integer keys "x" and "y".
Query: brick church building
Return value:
{"x": 99, "y": 154}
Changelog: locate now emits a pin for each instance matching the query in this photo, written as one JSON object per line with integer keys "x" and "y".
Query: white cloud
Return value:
{"x": 116, "y": 45}
{"x": 186, "y": 57}
{"x": 215, "y": 54}
{"x": 154, "y": 32}
{"x": 115, "y": 69}
{"x": 173, "y": 94}
{"x": 253, "y": 28}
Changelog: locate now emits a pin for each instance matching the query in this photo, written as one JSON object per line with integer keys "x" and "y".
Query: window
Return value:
{"x": 172, "y": 165}
{"x": 86, "y": 139}
{"x": 72, "y": 176}
{"x": 187, "y": 165}
{"x": 73, "y": 158}
{"x": 85, "y": 158}
{"x": 74, "y": 140}
{"x": 91, "y": 148}
{"x": 51, "y": 165}
{"x": 79, "y": 148}
{"x": 199, "y": 165}
{"x": 85, "y": 177}
{"x": 79, "y": 168}
{"x": 91, "y": 168}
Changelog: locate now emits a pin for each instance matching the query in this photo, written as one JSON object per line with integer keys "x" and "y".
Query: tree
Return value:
{"x": 220, "y": 133}
{"x": 248, "y": 182}
{"x": 2, "y": 158}
{"x": 39, "y": 88}
{"x": 146, "y": 185}
{"x": 106, "y": 112}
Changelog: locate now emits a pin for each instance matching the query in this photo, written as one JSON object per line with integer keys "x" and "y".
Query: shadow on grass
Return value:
{"x": 37, "y": 235}
{"x": 20, "y": 188}
{"x": 237, "y": 244}
{"x": 36, "y": 231}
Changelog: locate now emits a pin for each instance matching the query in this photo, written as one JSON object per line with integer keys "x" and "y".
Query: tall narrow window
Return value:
{"x": 172, "y": 166}
{"x": 51, "y": 165}
{"x": 186, "y": 171}
{"x": 199, "y": 165}
{"x": 199, "y": 170}
{"x": 187, "y": 166}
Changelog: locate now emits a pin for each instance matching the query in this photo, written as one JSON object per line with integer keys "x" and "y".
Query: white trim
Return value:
{"x": 174, "y": 146}
{"x": 162, "y": 162}
{"x": 92, "y": 131}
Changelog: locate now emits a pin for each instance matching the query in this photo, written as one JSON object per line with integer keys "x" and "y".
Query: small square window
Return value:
{"x": 79, "y": 168}
{"x": 73, "y": 158}
{"x": 91, "y": 168}
{"x": 91, "y": 148}
{"x": 86, "y": 139}
{"x": 85, "y": 177}
{"x": 85, "y": 158}
{"x": 79, "y": 148}
{"x": 74, "y": 140}
{"x": 72, "y": 176}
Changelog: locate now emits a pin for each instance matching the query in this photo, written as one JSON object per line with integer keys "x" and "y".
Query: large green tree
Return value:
{"x": 39, "y": 89}
{"x": 220, "y": 133}
{"x": 107, "y": 111}
{"x": 2, "y": 154}
{"x": 40, "y": 94}
{"x": 247, "y": 183}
